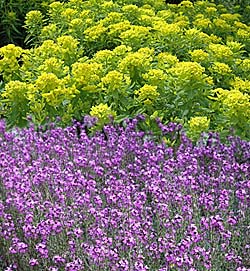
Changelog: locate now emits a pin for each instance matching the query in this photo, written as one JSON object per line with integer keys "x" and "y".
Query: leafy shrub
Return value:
{"x": 123, "y": 202}
{"x": 165, "y": 61}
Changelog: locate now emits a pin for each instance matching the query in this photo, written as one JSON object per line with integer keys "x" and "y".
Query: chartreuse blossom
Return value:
{"x": 47, "y": 49}
{"x": 155, "y": 77}
{"x": 9, "y": 66}
{"x": 122, "y": 50}
{"x": 61, "y": 94}
{"x": 55, "y": 9}
{"x": 55, "y": 66}
{"x": 199, "y": 55}
{"x": 197, "y": 125}
{"x": 244, "y": 65}
{"x": 241, "y": 85}
{"x": 103, "y": 113}
{"x": 166, "y": 60}
{"x": 147, "y": 94}
{"x": 165, "y": 30}
{"x": 112, "y": 18}
{"x": 115, "y": 81}
{"x": 220, "y": 68}
{"x": 68, "y": 14}
{"x": 15, "y": 91}
{"x": 116, "y": 29}
{"x": 87, "y": 75}
{"x": 201, "y": 22}
{"x": 136, "y": 62}
{"x": 235, "y": 105}
{"x": 49, "y": 32}
{"x": 103, "y": 56}
{"x": 33, "y": 19}
{"x": 135, "y": 35}
{"x": 188, "y": 71}
{"x": 95, "y": 32}
{"x": 47, "y": 82}
{"x": 220, "y": 52}
{"x": 69, "y": 51}
{"x": 76, "y": 26}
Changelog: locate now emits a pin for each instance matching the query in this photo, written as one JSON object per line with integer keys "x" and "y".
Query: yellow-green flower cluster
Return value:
{"x": 188, "y": 71}
{"x": 115, "y": 81}
{"x": 155, "y": 77}
{"x": 9, "y": 66}
{"x": 147, "y": 94}
{"x": 236, "y": 105}
{"x": 87, "y": 75}
{"x": 198, "y": 125}
{"x": 199, "y": 55}
{"x": 220, "y": 68}
{"x": 140, "y": 60}
{"x": 220, "y": 52}
{"x": 166, "y": 60}
{"x": 102, "y": 112}
{"x": 34, "y": 18}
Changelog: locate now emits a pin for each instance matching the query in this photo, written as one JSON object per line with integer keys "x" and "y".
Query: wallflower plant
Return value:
{"x": 120, "y": 200}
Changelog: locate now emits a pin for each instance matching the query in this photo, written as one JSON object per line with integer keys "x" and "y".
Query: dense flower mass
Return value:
{"x": 134, "y": 56}
{"x": 122, "y": 200}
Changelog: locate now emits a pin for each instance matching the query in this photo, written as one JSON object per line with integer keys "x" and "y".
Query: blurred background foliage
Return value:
{"x": 12, "y": 16}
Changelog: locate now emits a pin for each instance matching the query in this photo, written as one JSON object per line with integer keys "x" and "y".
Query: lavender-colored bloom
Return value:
{"x": 122, "y": 201}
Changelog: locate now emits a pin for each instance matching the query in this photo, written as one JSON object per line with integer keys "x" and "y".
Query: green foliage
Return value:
{"x": 12, "y": 14}
{"x": 126, "y": 58}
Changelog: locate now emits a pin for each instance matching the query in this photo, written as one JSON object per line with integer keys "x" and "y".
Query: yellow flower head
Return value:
{"x": 154, "y": 77}
{"x": 220, "y": 68}
{"x": 221, "y": 25}
{"x": 135, "y": 34}
{"x": 199, "y": 124}
{"x": 102, "y": 112}
{"x": 87, "y": 73}
{"x": 122, "y": 50}
{"x": 166, "y": 60}
{"x": 54, "y": 65}
{"x": 188, "y": 70}
{"x": 33, "y": 18}
{"x": 245, "y": 65}
{"x": 147, "y": 94}
{"x": 15, "y": 90}
{"x": 231, "y": 18}
{"x": 118, "y": 28}
{"x": 95, "y": 32}
{"x": 48, "y": 49}
{"x": 186, "y": 4}
{"x": 199, "y": 55}
{"x": 11, "y": 51}
{"x": 49, "y": 31}
{"x": 112, "y": 18}
{"x": 241, "y": 85}
{"x": 115, "y": 80}
{"x": 68, "y": 14}
{"x": 76, "y": 25}
{"x": 220, "y": 52}
{"x": 140, "y": 60}
{"x": 237, "y": 104}
{"x": 202, "y": 23}
{"x": 243, "y": 34}
{"x": 47, "y": 82}
{"x": 211, "y": 10}
{"x": 235, "y": 46}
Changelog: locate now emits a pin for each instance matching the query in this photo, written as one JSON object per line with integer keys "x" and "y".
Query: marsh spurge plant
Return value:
{"x": 120, "y": 201}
